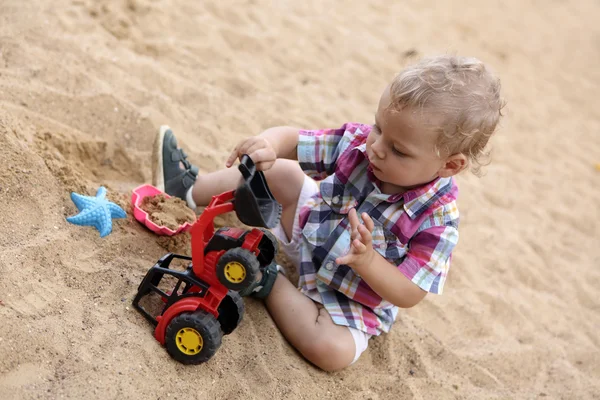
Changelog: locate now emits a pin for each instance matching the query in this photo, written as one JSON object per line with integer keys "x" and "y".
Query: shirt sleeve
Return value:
{"x": 318, "y": 151}
{"x": 428, "y": 259}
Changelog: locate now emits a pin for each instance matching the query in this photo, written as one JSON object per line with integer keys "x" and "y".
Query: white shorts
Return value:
{"x": 291, "y": 247}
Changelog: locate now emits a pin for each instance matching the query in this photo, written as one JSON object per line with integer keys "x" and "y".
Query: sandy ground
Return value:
{"x": 84, "y": 85}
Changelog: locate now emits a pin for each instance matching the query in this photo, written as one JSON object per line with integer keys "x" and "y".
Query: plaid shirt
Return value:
{"x": 416, "y": 230}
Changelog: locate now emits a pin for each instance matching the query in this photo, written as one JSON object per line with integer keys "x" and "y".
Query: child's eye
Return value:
{"x": 376, "y": 129}
{"x": 398, "y": 152}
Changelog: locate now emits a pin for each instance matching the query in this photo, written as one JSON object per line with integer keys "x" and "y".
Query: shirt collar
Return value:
{"x": 362, "y": 148}
{"x": 440, "y": 190}
{"x": 416, "y": 201}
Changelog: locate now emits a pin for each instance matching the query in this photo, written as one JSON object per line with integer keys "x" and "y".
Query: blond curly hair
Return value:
{"x": 461, "y": 94}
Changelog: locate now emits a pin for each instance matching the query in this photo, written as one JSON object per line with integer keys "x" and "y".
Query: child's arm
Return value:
{"x": 285, "y": 141}
{"x": 264, "y": 149}
{"x": 388, "y": 282}
{"x": 382, "y": 276}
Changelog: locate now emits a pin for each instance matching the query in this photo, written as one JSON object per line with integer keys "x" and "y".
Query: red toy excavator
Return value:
{"x": 204, "y": 303}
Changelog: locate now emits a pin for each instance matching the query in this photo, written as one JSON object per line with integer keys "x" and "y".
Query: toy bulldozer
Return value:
{"x": 204, "y": 303}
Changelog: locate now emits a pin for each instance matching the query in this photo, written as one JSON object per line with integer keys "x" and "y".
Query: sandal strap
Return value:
{"x": 269, "y": 277}
{"x": 178, "y": 155}
{"x": 262, "y": 289}
{"x": 179, "y": 185}
{"x": 189, "y": 178}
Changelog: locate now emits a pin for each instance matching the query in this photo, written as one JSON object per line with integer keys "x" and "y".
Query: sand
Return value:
{"x": 169, "y": 212}
{"x": 84, "y": 86}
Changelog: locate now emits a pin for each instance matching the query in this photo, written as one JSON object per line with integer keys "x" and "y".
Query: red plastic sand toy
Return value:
{"x": 204, "y": 304}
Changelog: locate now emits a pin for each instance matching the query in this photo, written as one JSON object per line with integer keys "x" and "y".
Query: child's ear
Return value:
{"x": 453, "y": 165}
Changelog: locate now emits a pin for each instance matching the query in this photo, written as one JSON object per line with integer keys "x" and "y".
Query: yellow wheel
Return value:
{"x": 189, "y": 341}
{"x": 193, "y": 337}
{"x": 235, "y": 272}
{"x": 237, "y": 268}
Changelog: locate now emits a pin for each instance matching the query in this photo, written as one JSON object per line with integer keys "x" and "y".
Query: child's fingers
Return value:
{"x": 253, "y": 148}
{"x": 246, "y": 144}
{"x": 255, "y": 144}
{"x": 353, "y": 217}
{"x": 359, "y": 246}
{"x": 368, "y": 221}
{"x": 365, "y": 235}
{"x": 347, "y": 259}
{"x": 239, "y": 149}
{"x": 262, "y": 155}
{"x": 232, "y": 157}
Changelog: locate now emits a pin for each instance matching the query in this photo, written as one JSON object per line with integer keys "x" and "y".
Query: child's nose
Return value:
{"x": 378, "y": 149}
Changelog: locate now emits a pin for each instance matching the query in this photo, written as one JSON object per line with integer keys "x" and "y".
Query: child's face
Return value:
{"x": 401, "y": 149}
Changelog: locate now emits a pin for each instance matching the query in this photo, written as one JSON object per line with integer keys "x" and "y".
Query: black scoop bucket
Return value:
{"x": 254, "y": 202}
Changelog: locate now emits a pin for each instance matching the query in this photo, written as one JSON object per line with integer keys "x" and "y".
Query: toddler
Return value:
{"x": 378, "y": 233}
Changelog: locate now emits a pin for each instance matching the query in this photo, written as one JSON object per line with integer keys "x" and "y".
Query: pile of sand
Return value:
{"x": 85, "y": 84}
{"x": 170, "y": 212}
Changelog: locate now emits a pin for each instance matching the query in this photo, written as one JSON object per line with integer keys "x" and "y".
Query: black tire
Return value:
{"x": 237, "y": 268}
{"x": 268, "y": 246}
{"x": 193, "y": 337}
{"x": 231, "y": 312}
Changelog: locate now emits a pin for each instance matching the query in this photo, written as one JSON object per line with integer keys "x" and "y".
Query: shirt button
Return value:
{"x": 329, "y": 266}
{"x": 336, "y": 199}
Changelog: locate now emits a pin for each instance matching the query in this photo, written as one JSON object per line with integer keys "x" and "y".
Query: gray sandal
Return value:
{"x": 167, "y": 174}
{"x": 262, "y": 289}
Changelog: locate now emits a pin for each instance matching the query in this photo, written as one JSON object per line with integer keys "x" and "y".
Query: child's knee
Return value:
{"x": 285, "y": 180}
{"x": 330, "y": 353}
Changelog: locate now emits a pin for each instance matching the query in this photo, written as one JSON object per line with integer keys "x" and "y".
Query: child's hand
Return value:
{"x": 258, "y": 148}
{"x": 361, "y": 252}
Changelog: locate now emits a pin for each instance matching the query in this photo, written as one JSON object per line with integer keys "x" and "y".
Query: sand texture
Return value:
{"x": 84, "y": 86}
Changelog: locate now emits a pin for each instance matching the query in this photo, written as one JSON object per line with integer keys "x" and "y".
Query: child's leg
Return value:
{"x": 309, "y": 328}
{"x": 285, "y": 180}
{"x": 173, "y": 174}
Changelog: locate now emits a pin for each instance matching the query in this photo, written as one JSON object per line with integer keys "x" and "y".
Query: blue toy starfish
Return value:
{"x": 96, "y": 211}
